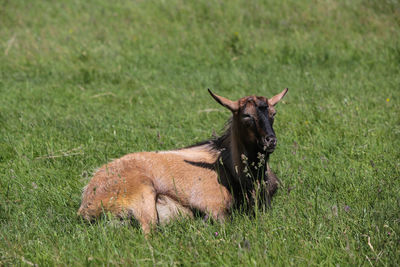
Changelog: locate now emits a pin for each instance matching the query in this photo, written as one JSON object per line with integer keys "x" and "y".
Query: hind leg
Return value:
{"x": 215, "y": 202}
{"x": 169, "y": 209}
{"x": 142, "y": 205}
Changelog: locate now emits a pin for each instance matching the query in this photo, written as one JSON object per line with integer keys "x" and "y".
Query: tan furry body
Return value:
{"x": 134, "y": 184}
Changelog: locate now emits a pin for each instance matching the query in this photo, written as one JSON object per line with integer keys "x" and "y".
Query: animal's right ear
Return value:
{"x": 231, "y": 105}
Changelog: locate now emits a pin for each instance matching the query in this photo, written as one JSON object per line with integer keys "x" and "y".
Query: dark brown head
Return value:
{"x": 253, "y": 118}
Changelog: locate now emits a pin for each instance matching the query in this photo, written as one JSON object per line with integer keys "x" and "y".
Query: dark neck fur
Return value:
{"x": 233, "y": 177}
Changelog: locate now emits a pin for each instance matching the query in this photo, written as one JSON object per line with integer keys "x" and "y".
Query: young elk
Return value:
{"x": 155, "y": 187}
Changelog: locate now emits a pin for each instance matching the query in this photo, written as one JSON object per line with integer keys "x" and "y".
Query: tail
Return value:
{"x": 83, "y": 209}
{"x": 82, "y": 213}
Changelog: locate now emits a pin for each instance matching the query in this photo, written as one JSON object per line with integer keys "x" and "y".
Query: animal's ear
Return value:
{"x": 231, "y": 105}
{"x": 275, "y": 99}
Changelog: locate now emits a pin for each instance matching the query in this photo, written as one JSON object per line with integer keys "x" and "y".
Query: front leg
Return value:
{"x": 272, "y": 183}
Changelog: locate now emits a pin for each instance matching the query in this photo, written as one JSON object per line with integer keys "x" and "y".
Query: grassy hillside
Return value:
{"x": 83, "y": 82}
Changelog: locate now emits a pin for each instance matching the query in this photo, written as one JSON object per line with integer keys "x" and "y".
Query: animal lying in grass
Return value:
{"x": 210, "y": 177}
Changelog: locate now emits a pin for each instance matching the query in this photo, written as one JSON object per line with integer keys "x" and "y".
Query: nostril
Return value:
{"x": 270, "y": 140}
{"x": 269, "y": 143}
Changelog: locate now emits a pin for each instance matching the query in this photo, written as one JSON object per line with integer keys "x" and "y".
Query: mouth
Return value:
{"x": 269, "y": 149}
{"x": 267, "y": 144}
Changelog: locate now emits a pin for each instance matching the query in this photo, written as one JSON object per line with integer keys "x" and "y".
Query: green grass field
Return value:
{"x": 84, "y": 82}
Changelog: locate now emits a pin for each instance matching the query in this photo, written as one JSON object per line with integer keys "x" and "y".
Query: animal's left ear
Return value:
{"x": 275, "y": 99}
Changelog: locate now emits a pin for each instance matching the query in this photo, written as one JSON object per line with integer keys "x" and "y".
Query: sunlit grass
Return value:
{"x": 83, "y": 82}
